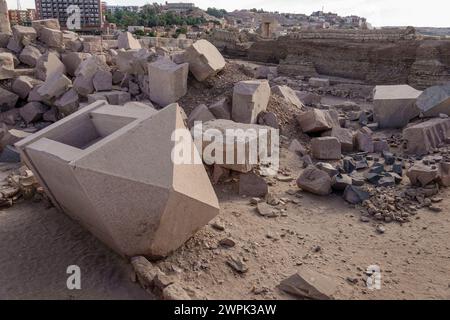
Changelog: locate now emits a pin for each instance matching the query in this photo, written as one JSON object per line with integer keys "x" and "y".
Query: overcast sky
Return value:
{"x": 430, "y": 13}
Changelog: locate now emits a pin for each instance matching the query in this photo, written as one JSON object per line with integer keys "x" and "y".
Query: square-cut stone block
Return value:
{"x": 110, "y": 168}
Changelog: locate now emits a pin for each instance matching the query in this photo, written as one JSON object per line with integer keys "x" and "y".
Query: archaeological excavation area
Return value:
{"x": 350, "y": 175}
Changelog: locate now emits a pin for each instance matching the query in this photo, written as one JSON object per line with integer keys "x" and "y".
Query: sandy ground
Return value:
{"x": 320, "y": 233}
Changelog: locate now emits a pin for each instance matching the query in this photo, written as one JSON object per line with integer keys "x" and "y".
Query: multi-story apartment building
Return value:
{"x": 90, "y": 12}
{"x": 178, "y": 6}
{"x": 22, "y": 17}
{"x": 112, "y": 9}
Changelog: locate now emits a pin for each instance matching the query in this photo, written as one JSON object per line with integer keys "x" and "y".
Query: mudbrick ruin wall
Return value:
{"x": 390, "y": 56}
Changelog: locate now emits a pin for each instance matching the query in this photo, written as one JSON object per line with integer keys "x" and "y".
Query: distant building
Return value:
{"x": 113, "y": 9}
{"x": 179, "y": 6}
{"x": 91, "y": 12}
{"x": 22, "y": 17}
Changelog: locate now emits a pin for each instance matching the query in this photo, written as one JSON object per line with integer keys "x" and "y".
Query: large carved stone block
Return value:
{"x": 110, "y": 168}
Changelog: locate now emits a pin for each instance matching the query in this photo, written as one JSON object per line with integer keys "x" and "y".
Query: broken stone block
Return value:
{"x": 11, "y": 136}
{"x": 269, "y": 119}
{"x": 32, "y": 111}
{"x": 355, "y": 195}
{"x": 435, "y": 101}
{"x": 345, "y": 137}
{"x": 297, "y": 147}
{"x": 9, "y": 154}
{"x": 422, "y": 175}
{"x": 55, "y": 85}
{"x": 221, "y": 109}
{"x": 167, "y": 81}
{"x": 326, "y": 148}
{"x": 249, "y": 99}
{"x": 423, "y": 137}
{"x": 315, "y": 181}
{"x": 249, "y": 144}
{"x": 316, "y": 120}
{"x": 8, "y": 99}
{"x": 308, "y": 98}
{"x": 85, "y": 73}
{"x": 30, "y": 55}
{"x": 252, "y": 185}
{"x": 127, "y": 41}
{"x": 23, "y": 85}
{"x": 48, "y": 64}
{"x": 309, "y": 284}
{"x": 10, "y": 117}
{"x": 319, "y": 82}
{"x": 114, "y": 97}
{"x": 6, "y": 65}
{"x": 51, "y": 37}
{"x": 340, "y": 182}
{"x": 72, "y": 61}
{"x": 200, "y": 113}
{"x": 24, "y": 35}
{"x": 14, "y": 46}
{"x": 380, "y": 146}
{"x": 50, "y": 115}
{"x": 204, "y": 59}
{"x": 68, "y": 103}
{"x": 95, "y": 187}
{"x": 102, "y": 80}
{"x": 134, "y": 61}
{"x": 444, "y": 174}
{"x": 364, "y": 142}
{"x": 47, "y": 23}
{"x": 328, "y": 168}
{"x": 288, "y": 95}
{"x": 394, "y": 106}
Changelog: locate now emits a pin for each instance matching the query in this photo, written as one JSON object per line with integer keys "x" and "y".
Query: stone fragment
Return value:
{"x": 422, "y": 175}
{"x": 363, "y": 142}
{"x": 326, "y": 148}
{"x": 167, "y": 81}
{"x": 48, "y": 64}
{"x": 297, "y": 147}
{"x": 319, "y": 82}
{"x": 221, "y": 109}
{"x": 252, "y": 185}
{"x": 237, "y": 264}
{"x": 50, "y": 115}
{"x": 288, "y": 95}
{"x": 102, "y": 80}
{"x": 309, "y": 284}
{"x": 340, "y": 182}
{"x": 6, "y": 65}
{"x": 348, "y": 164}
{"x": 444, "y": 174}
{"x": 9, "y": 154}
{"x": 114, "y": 97}
{"x": 30, "y": 55}
{"x": 51, "y": 37}
{"x": 204, "y": 59}
{"x": 424, "y": 137}
{"x": 395, "y": 105}
{"x": 72, "y": 61}
{"x": 10, "y": 117}
{"x": 127, "y": 41}
{"x": 249, "y": 99}
{"x": 175, "y": 292}
{"x": 435, "y": 101}
{"x": 201, "y": 113}
{"x": 328, "y": 168}
{"x": 355, "y": 195}
{"x": 315, "y": 181}
{"x": 380, "y": 146}
{"x": 47, "y": 23}
{"x": 316, "y": 120}
{"x": 269, "y": 119}
{"x": 55, "y": 85}
{"x": 32, "y": 111}
{"x": 14, "y": 46}
{"x": 8, "y": 99}
{"x": 23, "y": 85}
{"x": 308, "y": 98}
{"x": 345, "y": 137}
{"x": 68, "y": 103}
{"x": 24, "y": 35}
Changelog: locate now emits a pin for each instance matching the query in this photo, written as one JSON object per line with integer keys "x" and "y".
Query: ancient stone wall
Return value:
{"x": 393, "y": 34}
{"x": 165, "y": 42}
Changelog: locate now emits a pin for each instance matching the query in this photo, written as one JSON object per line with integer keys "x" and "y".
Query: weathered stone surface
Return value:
{"x": 355, "y": 195}
{"x": 9, "y": 154}
{"x": 345, "y": 137}
{"x": 50, "y": 115}
{"x": 248, "y": 142}
{"x": 380, "y": 146}
{"x": 200, "y": 113}
{"x": 24, "y": 35}
{"x": 444, "y": 174}
{"x": 127, "y": 41}
{"x": 422, "y": 175}
{"x": 68, "y": 103}
{"x": 316, "y": 120}
{"x": 6, "y": 65}
{"x": 47, "y": 23}
{"x": 340, "y": 182}
{"x": 11, "y": 136}
{"x": 252, "y": 185}
{"x": 105, "y": 196}
{"x": 269, "y": 119}
{"x": 394, "y": 106}
{"x": 32, "y": 111}
{"x": 288, "y": 95}
{"x": 326, "y": 148}
{"x": 14, "y": 45}
{"x": 309, "y": 284}
{"x": 102, "y": 80}
{"x": 114, "y": 97}
{"x": 435, "y": 100}
{"x": 249, "y": 99}
{"x": 221, "y": 109}
{"x": 30, "y": 55}
{"x": 48, "y": 64}
{"x": 363, "y": 141}
{"x": 308, "y": 98}
{"x": 72, "y": 60}
{"x": 5, "y": 26}
{"x": 10, "y": 117}
{"x": 134, "y": 61}
{"x": 167, "y": 81}
{"x": 297, "y": 147}
{"x": 423, "y": 137}
{"x": 328, "y": 168}
{"x": 4, "y": 39}
{"x": 315, "y": 181}
{"x": 55, "y": 85}
{"x": 319, "y": 82}
{"x": 22, "y": 85}
{"x": 51, "y": 37}
{"x": 85, "y": 73}
{"x": 8, "y": 99}
{"x": 204, "y": 59}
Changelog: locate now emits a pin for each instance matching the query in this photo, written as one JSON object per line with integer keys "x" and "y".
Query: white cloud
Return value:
{"x": 378, "y": 12}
